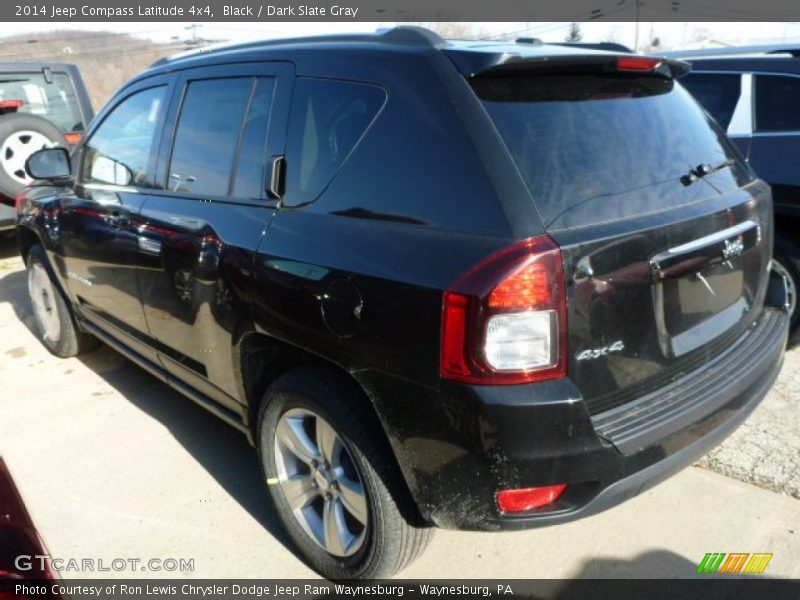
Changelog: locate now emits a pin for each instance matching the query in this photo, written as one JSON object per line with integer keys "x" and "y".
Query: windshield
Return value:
{"x": 603, "y": 147}
{"x": 54, "y": 101}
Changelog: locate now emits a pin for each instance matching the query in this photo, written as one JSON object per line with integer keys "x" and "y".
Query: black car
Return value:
{"x": 42, "y": 104}
{"x": 437, "y": 284}
{"x": 754, "y": 93}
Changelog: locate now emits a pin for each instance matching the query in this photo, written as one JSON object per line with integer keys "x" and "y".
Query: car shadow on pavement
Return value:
{"x": 219, "y": 448}
{"x": 8, "y": 246}
{"x": 794, "y": 339}
{"x": 14, "y": 290}
{"x": 223, "y": 451}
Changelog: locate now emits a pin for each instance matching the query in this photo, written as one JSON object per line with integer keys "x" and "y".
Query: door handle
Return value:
{"x": 117, "y": 220}
{"x": 275, "y": 189}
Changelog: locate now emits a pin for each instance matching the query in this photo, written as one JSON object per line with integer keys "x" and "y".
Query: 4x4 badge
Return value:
{"x": 733, "y": 247}
{"x": 592, "y": 353}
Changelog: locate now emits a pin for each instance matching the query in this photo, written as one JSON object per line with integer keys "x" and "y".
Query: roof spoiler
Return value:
{"x": 572, "y": 63}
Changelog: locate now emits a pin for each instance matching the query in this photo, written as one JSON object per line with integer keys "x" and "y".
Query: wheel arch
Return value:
{"x": 260, "y": 359}
{"x": 26, "y": 239}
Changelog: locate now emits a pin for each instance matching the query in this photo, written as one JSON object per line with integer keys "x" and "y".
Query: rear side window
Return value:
{"x": 600, "y": 147}
{"x": 55, "y": 101}
{"x": 777, "y": 103}
{"x": 718, "y": 93}
{"x": 120, "y": 150}
{"x": 207, "y": 135}
{"x": 327, "y": 120}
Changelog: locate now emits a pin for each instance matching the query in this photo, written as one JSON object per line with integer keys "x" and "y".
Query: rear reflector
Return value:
{"x": 7, "y": 104}
{"x": 638, "y": 63}
{"x": 73, "y": 137}
{"x": 515, "y": 501}
{"x": 19, "y": 200}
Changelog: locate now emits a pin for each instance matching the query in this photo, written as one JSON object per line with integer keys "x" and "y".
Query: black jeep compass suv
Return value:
{"x": 437, "y": 284}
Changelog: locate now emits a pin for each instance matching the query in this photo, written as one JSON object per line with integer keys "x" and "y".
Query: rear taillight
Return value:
{"x": 638, "y": 63}
{"x": 19, "y": 200}
{"x": 505, "y": 320}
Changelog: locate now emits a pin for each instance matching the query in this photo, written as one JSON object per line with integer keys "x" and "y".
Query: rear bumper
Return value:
{"x": 459, "y": 445}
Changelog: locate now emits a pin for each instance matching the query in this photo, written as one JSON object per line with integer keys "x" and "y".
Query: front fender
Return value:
{"x": 39, "y": 222}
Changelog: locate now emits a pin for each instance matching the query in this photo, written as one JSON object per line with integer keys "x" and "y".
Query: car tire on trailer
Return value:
{"x": 20, "y": 136}
{"x": 333, "y": 480}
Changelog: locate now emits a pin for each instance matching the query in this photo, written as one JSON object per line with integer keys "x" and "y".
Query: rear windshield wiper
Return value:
{"x": 702, "y": 170}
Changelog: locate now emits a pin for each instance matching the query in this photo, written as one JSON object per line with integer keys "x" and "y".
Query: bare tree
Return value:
{"x": 575, "y": 34}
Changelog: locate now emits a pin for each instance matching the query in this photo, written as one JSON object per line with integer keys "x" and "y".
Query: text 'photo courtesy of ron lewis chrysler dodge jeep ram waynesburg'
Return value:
{"x": 467, "y": 285}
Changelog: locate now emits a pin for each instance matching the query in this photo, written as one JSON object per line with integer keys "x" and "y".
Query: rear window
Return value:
{"x": 598, "y": 147}
{"x": 718, "y": 93}
{"x": 54, "y": 101}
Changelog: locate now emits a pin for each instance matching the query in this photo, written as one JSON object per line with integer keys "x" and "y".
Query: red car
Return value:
{"x": 20, "y": 544}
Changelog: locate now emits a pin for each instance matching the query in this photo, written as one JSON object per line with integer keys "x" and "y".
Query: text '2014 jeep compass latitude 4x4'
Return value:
{"x": 463, "y": 285}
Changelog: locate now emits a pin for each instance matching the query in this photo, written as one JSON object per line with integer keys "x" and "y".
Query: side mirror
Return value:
{"x": 48, "y": 163}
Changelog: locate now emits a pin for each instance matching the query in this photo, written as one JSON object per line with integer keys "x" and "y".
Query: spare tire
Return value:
{"x": 20, "y": 136}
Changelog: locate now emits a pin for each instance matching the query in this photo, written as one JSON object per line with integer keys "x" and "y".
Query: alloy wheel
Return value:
{"x": 321, "y": 482}
{"x": 42, "y": 294}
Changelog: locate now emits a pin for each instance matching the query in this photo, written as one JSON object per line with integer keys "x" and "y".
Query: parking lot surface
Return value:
{"x": 765, "y": 450}
{"x": 114, "y": 464}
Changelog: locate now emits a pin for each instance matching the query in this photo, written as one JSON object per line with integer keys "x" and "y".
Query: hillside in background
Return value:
{"x": 107, "y": 59}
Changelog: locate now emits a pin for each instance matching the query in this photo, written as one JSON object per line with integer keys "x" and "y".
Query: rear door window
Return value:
{"x": 718, "y": 93}
{"x": 327, "y": 120}
{"x": 603, "y": 147}
{"x": 207, "y": 135}
{"x": 55, "y": 100}
{"x": 777, "y": 103}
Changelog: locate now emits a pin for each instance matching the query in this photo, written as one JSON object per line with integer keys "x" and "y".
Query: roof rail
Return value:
{"x": 761, "y": 49}
{"x": 404, "y": 34}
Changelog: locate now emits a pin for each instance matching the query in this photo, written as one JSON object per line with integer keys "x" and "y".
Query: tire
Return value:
{"x": 20, "y": 136}
{"x": 393, "y": 534}
{"x": 54, "y": 321}
{"x": 785, "y": 267}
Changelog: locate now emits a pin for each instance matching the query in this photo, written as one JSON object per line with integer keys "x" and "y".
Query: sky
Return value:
{"x": 671, "y": 34}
